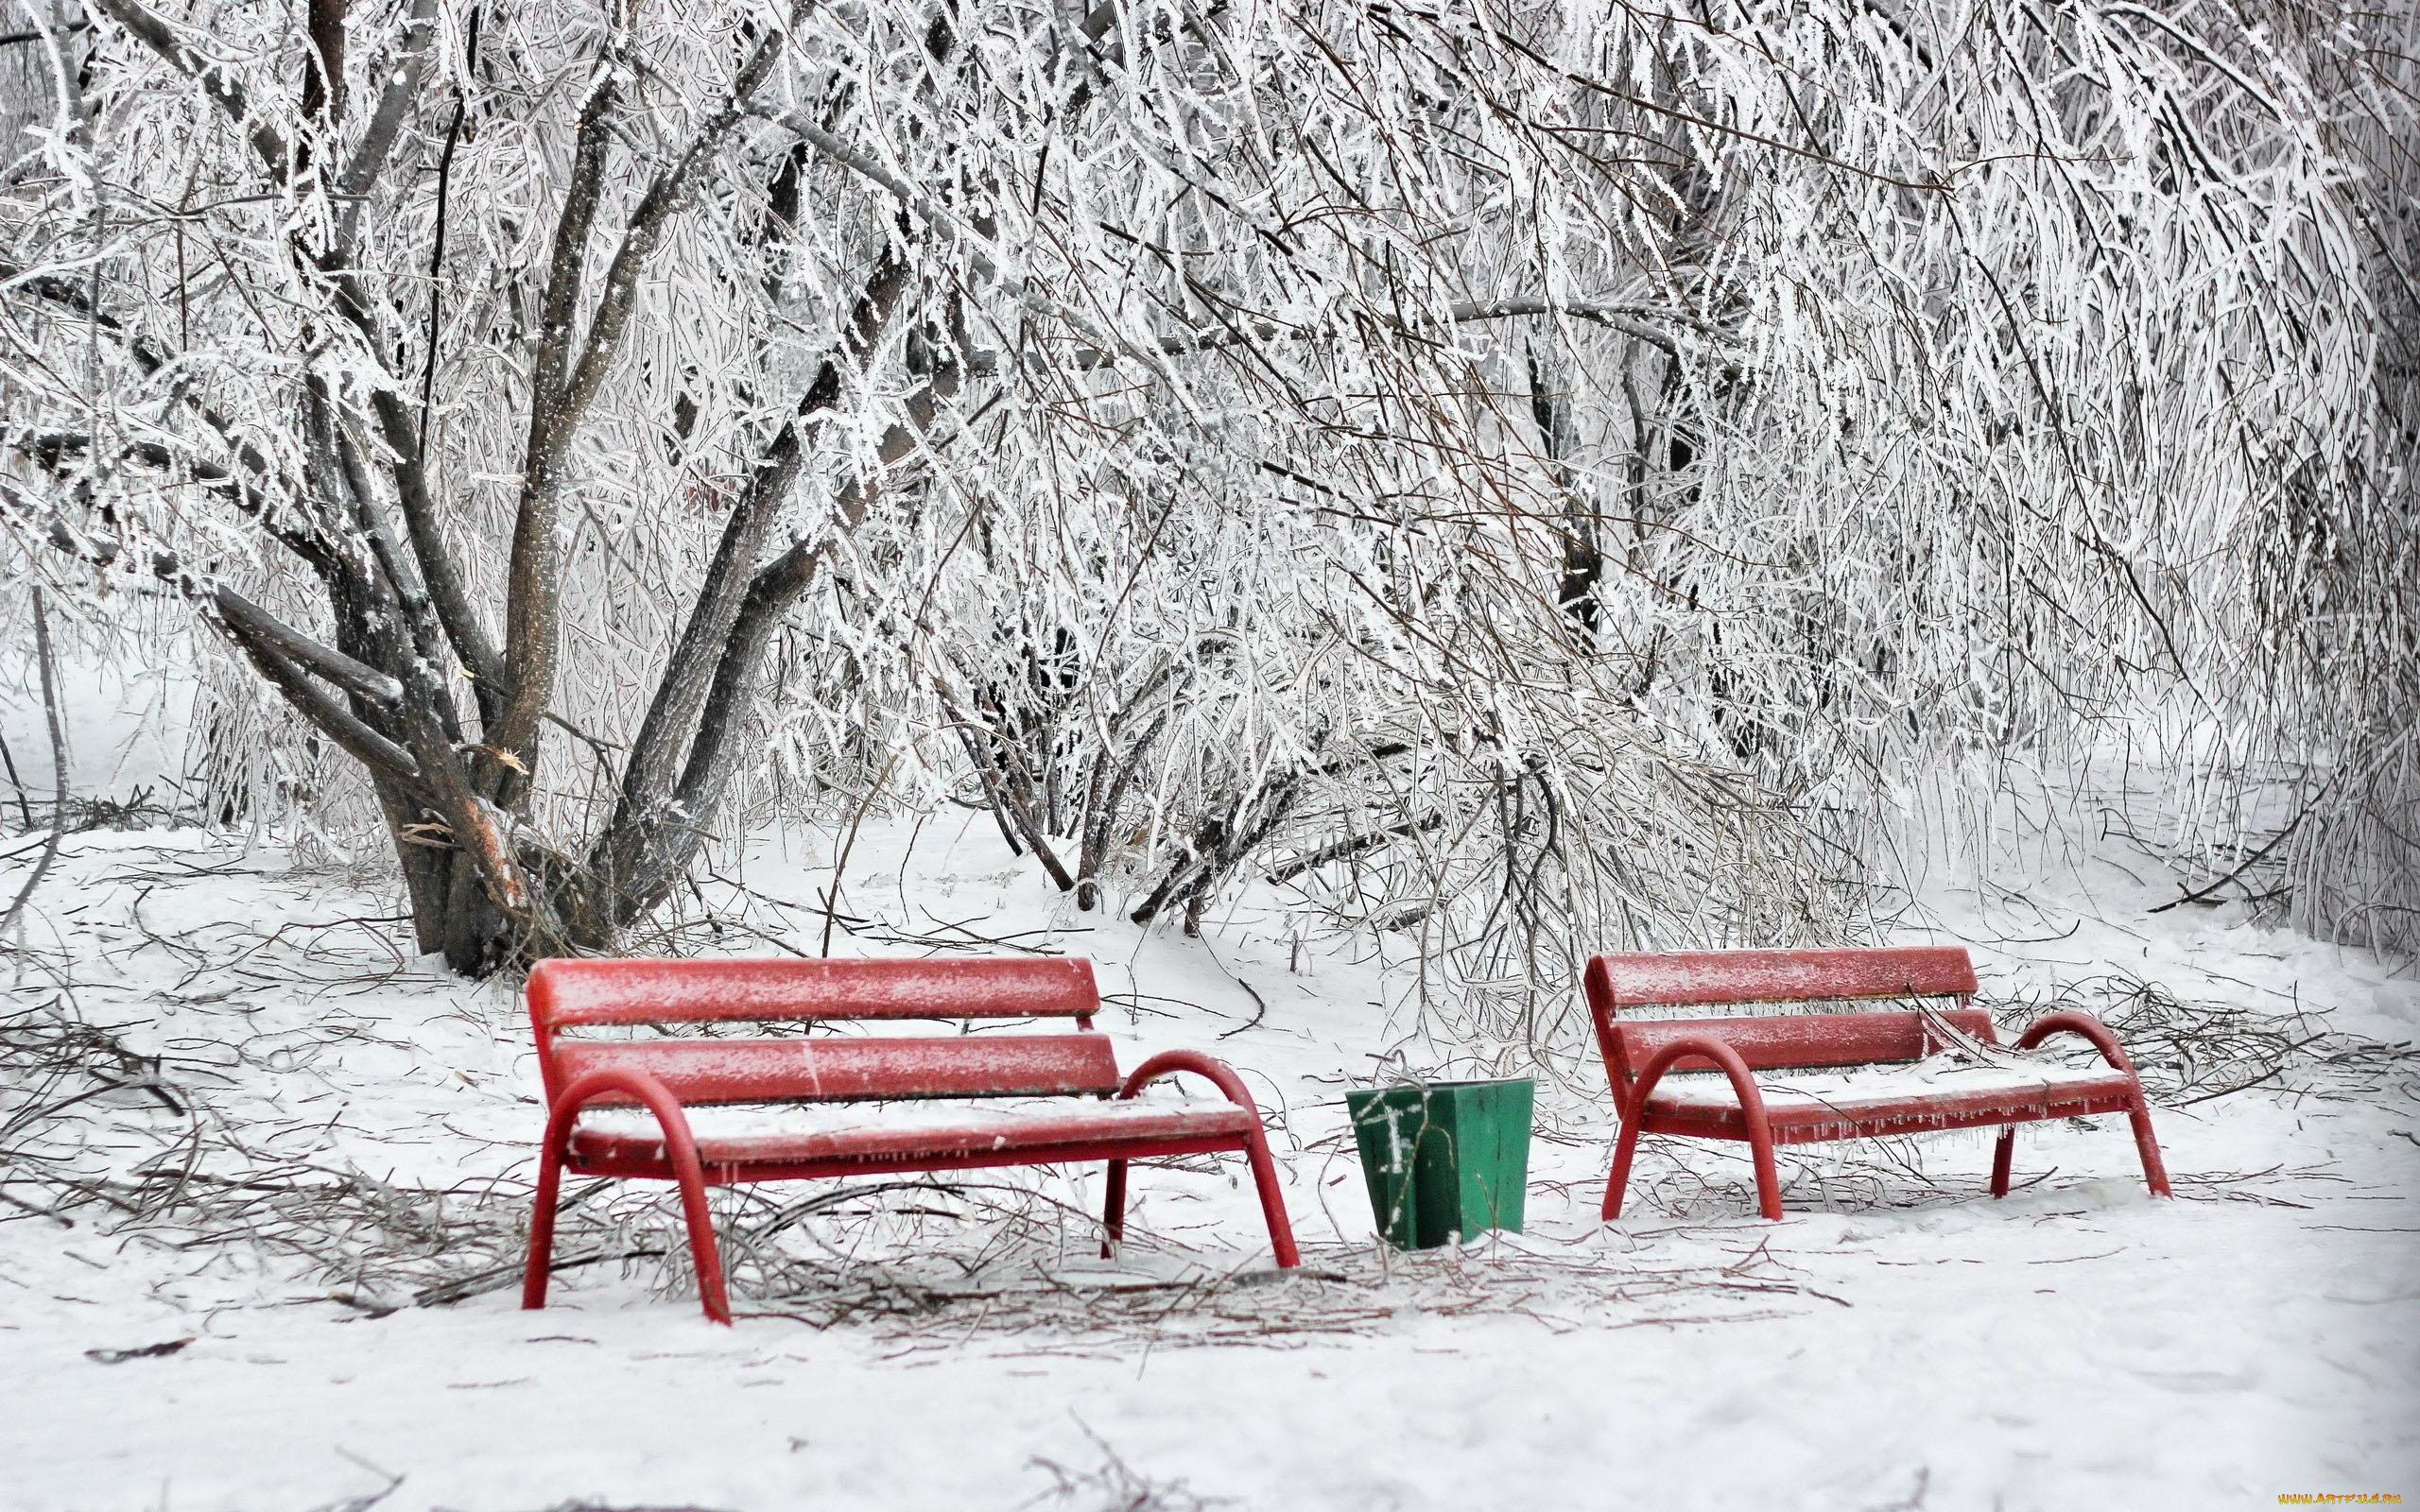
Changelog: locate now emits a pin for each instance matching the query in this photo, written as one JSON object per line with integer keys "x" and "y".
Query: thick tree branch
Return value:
{"x": 404, "y": 74}
{"x": 328, "y": 716}
{"x": 667, "y": 195}
{"x": 443, "y": 577}
{"x": 339, "y": 668}
{"x": 561, "y": 389}
{"x": 775, "y": 589}
{"x": 323, "y": 74}
{"x": 664, "y": 737}
{"x": 533, "y": 588}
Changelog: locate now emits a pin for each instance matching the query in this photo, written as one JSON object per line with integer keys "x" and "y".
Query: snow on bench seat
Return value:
{"x": 1942, "y": 1091}
{"x": 782, "y": 1134}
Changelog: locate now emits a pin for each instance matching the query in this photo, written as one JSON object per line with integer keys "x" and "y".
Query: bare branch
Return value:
{"x": 330, "y": 717}
{"x": 330, "y": 663}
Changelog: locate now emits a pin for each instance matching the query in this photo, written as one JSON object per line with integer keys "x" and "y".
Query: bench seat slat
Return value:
{"x": 1029, "y": 1136}
{"x": 843, "y": 1070}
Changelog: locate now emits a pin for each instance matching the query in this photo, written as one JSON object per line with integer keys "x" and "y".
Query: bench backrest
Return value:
{"x": 1780, "y": 1041}
{"x": 570, "y": 994}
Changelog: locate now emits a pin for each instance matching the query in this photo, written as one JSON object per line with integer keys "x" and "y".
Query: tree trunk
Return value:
{"x": 452, "y": 914}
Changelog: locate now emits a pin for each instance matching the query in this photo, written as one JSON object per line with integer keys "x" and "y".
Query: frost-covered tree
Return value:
{"x": 1526, "y": 474}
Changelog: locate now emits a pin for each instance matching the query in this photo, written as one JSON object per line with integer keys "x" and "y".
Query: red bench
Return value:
{"x": 669, "y": 1076}
{"x": 1975, "y": 1084}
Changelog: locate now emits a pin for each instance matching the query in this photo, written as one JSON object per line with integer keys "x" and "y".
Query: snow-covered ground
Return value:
{"x": 1900, "y": 1341}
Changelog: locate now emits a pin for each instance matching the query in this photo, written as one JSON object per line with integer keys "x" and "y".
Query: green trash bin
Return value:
{"x": 1444, "y": 1158}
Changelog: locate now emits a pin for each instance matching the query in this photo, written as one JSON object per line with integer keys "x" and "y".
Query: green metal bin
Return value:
{"x": 1444, "y": 1160}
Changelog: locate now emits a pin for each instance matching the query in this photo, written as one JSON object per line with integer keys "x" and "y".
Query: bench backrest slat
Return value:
{"x": 1706, "y": 978}
{"x": 1781, "y": 1041}
{"x": 845, "y": 1071}
{"x": 567, "y": 992}
{"x": 1794, "y": 1041}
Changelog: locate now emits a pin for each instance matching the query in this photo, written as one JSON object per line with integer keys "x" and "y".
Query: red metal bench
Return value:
{"x": 669, "y": 1076}
{"x": 1991, "y": 1088}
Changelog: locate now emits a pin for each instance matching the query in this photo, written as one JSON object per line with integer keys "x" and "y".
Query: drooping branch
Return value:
{"x": 1631, "y": 319}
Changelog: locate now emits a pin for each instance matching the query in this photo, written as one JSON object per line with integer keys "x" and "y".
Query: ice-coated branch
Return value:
{"x": 403, "y": 73}
{"x": 215, "y": 79}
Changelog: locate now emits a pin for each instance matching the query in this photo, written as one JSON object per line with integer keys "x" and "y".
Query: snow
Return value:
{"x": 1940, "y": 1075}
{"x": 125, "y": 728}
{"x": 904, "y": 1120}
{"x": 1899, "y": 1340}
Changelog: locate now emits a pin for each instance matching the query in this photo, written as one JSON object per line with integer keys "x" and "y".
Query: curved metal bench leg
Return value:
{"x": 2155, "y": 1169}
{"x": 688, "y": 1174}
{"x": 2003, "y": 1157}
{"x": 1625, "y": 1146}
{"x": 1112, "y": 1212}
{"x": 1760, "y": 1149}
{"x": 1272, "y": 1201}
{"x": 542, "y": 1224}
{"x": 1752, "y": 1111}
{"x": 704, "y": 1253}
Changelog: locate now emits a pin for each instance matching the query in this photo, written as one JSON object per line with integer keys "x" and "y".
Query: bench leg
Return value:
{"x": 2154, "y": 1170}
{"x": 1112, "y": 1212}
{"x": 1760, "y": 1152}
{"x": 1751, "y": 1112}
{"x": 1272, "y": 1200}
{"x": 1263, "y": 1180}
{"x": 542, "y": 1229}
{"x": 703, "y": 1252}
{"x": 687, "y": 1173}
{"x": 1618, "y": 1184}
{"x": 1760, "y": 1149}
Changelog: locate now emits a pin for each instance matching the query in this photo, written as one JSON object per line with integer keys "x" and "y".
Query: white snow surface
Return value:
{"x": 1899, "y": 1340}
{"x": 904, "y": 1120}
{"x": 1934, "y": 1076}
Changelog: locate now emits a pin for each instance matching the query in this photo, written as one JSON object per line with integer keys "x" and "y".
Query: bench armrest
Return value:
{"x": 1168, "y": 1062}
{"x": 2067, "y": 1020}
{"x": 680, "y": 1150}
{"x": 1752, "y": 1101}
{"x": 679, "y": 1144}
